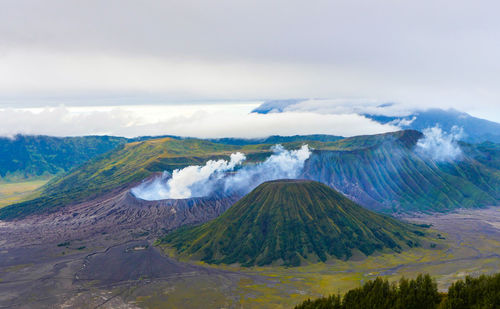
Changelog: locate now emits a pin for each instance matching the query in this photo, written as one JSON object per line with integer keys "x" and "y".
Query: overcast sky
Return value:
{"x": 416, "y": 53}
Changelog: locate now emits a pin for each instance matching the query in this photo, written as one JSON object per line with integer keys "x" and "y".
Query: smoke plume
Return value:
{"x": 213, "y": 177}
{"x": 440, "y": 146}
{"x": 190, "y": 181}
{"x": 282, "y": 164}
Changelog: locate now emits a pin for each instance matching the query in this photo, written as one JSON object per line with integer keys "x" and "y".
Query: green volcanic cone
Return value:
{"x": 289, "y": 221}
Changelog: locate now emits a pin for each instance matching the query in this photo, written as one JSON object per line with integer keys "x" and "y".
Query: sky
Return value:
{"x": 109, "y": 55}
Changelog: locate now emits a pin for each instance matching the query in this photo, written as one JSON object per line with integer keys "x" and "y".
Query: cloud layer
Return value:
{"x": 423, "y": 53}
{"x": 204, "y": 121}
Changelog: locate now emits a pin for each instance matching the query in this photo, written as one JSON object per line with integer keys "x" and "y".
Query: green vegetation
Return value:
{"x": 381, "y": 172}
{"x": 420, "y": 293}
{"x": 290, "y": 221}
{"x": 387, "y": 175}
{"x": 26, "y": 156}
{"x": 486, "y": 153}
{"x": 125, "y": 166}
{"x": 480, "y": 293}
{"x": 379, "y": 294}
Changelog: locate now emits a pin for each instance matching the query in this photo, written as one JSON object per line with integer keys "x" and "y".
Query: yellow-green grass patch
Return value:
{"x": 15, "y": 192}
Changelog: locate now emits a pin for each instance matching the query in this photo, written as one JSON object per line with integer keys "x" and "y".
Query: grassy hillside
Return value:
{"x": 289, "y": 221}
{"x": 126, "y": 165}
{"x": 26, "y": 156}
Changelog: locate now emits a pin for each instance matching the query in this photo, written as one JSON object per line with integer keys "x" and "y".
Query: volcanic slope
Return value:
{"x": 382, "y": 172}
{"x": 289, "y": 221}
{"x": 386, "y": 173}
{"x": 122, "y": 168}
{"x": 130, "y": 163}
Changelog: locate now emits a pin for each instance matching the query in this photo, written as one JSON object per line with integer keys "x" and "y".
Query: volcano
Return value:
{"x": 289, "y": 222}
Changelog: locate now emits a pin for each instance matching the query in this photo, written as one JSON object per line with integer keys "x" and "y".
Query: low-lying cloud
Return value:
{"x": 440, "y": 146}
{"x": 214, "y": 176}
{"x": 200, "y": 120}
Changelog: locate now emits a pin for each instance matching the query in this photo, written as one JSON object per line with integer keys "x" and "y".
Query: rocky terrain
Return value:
{"x": 108, "y": 240}
{"x": 117, "y": 213}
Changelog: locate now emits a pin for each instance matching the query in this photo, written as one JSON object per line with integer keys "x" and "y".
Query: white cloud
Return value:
{"x": 217, "y": 120}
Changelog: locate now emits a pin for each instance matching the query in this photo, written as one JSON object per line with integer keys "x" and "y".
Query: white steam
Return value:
{"x": 213, "y": 177}
{"x": 190, "y": 181}
{"x": 282, "y": 164}
{"x": 440, "y": 146}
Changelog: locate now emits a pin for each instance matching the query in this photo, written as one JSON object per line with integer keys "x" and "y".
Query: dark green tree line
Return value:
{"x": 419, "y": 293}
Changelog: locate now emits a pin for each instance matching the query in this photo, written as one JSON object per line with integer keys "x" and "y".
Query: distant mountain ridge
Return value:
{"x": 25, "y": 156}
{"x": 382, "y": 172}
{"x": 276, "y": 106}
{"x": 277, "y": 139}
{"x": 475, "y": 129}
